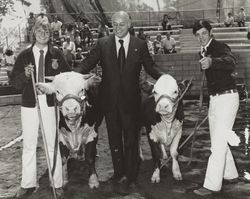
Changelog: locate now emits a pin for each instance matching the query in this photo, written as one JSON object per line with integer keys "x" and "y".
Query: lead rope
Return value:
{"x": 56, "y": 146}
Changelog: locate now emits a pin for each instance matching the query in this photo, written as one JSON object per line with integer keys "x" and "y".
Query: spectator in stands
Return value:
{"x": 241, "y": 17}
{"x": 248, "y": 32}
{"x": 229, "y": 21}
{"x": 150, "y": 45}
{"x": 86, "y": 35}
{"x": 63, "y": 30}
{"x": 70, "y": 31}
{"x": 42, "y": 17}
{"x": 78, "y": 57}
{"x": 141, "y": 34}
{"x": 218, "y": 63}
{"x": 78, "y": 23}
{"x": 37, "y": 60}
{"x": 9, "y": 60}
{"x": 131, "y": 29}
{"x": 102, "y": 30}
{"x": 165, "y": 23}
{"x": 158, "y": 45}
{"x": 1, "y": 52}
{"x": 69, "y": 49}
{"x": 168, "y": 44}
{"x": 56, "y": 26}
{"x": 31, "y": 23}
{"x": 78, "y": 40}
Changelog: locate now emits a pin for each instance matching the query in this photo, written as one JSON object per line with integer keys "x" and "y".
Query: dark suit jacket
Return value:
{"x": 21, "y": 82}
{"x": 219, "y": 74}
{"x": 120, "y": 86}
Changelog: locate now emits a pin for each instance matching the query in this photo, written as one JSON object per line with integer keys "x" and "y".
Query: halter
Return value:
{"x": 83, "y": 101}
{"x": 176, "y": 100}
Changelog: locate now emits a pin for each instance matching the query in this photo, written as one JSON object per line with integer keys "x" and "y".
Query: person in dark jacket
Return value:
{"x": 218, "y": 63}
{"x": 42, "y": 60}
{"x": 121, "y": 57}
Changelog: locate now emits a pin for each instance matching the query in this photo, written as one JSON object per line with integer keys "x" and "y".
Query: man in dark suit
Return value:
{"x": 121, "y": 57}
{"x": 218, "y": 63}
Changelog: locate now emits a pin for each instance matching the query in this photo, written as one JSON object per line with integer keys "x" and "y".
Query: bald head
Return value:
{"x": 121, "y": 24}
{"x": 121, "y": 14}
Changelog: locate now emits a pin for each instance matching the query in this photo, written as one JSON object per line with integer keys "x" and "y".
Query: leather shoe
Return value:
{"x": 24, "y": 192}
{"x": 204, "y": 191}
{"x": 231, "y": 181}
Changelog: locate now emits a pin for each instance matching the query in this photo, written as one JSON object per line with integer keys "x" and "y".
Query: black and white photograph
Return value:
{"x": 124, "y": 99}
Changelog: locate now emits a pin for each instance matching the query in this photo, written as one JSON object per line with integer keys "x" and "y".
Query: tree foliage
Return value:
{"x": 6, "y": 6}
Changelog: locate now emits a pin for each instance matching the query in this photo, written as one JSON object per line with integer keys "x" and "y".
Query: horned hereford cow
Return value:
{"x": 77, "y": 126}
{"x": 163, "y": 119}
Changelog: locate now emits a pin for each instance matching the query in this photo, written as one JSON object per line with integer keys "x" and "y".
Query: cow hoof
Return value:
{"x": 93, "y": 181}
{"x": 177, "y": 175}
{"x": 156, "y": 176}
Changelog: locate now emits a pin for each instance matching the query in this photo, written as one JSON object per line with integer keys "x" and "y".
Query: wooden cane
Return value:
{"x": 43, "y": 136}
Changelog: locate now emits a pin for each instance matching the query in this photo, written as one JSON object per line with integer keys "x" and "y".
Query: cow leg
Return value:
{"x": 156, "y": 156}
{"x": 174, "y": 154}
{"x": 64, "y": 154}
{"x": 90, "y": 154}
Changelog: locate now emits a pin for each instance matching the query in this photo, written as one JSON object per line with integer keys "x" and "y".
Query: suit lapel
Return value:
{"x": 111, "y": 51}
{"x": 131, "y": 49}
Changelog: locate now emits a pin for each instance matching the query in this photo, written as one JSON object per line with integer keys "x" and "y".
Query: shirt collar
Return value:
{"x": 206, "y": 46}
{"x": 45, "y": 49}
{"x": 125, "y": 39}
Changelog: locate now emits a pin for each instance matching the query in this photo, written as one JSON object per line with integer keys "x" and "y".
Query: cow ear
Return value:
{"x": 50, "y": 78}
{"x": 87, "y": 76}
{"x": 45, "y": 88}
{"x": 92, "y": 82}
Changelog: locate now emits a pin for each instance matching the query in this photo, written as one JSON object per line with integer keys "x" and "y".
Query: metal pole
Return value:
{"x": 44, "y": 138}
{"x": 19, "y": 32}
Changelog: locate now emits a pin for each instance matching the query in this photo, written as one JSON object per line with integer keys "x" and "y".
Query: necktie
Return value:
{"x": 203, "y": 52}
{"x": 41, "y": 67}
{"x": 121, "y": 55}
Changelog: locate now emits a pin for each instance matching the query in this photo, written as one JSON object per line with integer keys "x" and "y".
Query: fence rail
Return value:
{"x": 142, "y": 18}
{"x": 15, "y": 36}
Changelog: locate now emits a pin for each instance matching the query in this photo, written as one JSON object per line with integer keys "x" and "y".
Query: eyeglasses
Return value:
{"x": 43, "y": 32}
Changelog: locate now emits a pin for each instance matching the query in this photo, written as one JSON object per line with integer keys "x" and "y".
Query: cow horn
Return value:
{"x": 51, "y": 78}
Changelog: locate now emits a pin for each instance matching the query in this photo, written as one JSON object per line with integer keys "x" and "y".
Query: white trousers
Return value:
{"x": 221, "y": 115}
{"x": 30, "y": 125}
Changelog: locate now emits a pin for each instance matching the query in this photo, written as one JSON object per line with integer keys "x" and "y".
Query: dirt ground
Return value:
{"x": 193, "y": 174}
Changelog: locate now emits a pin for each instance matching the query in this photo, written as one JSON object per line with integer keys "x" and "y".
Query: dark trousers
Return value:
{"x": 123, "y": 133}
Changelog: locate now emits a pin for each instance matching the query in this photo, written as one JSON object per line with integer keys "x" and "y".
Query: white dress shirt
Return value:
{"x": 126, "y": 40}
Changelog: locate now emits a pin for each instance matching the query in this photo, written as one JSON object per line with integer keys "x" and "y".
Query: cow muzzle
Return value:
{"x": 73, "y": 107}
{"x": 165, "y": 105}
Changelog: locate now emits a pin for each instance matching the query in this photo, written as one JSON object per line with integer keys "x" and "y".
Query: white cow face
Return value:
{"x": 70, "y": 89}
{"x": 165, "y": 93}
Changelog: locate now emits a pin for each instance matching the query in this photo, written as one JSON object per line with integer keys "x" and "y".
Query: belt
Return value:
{"x": 225, "y": 92}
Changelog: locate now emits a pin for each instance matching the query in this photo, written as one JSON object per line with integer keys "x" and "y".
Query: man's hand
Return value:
{"x": 205, "y": 62}
{"x": 28, "y": 70}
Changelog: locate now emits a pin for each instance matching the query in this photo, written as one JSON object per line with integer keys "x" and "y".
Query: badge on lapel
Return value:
{"x": 136, "y": 49}
{"x": 55, "y": 64}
